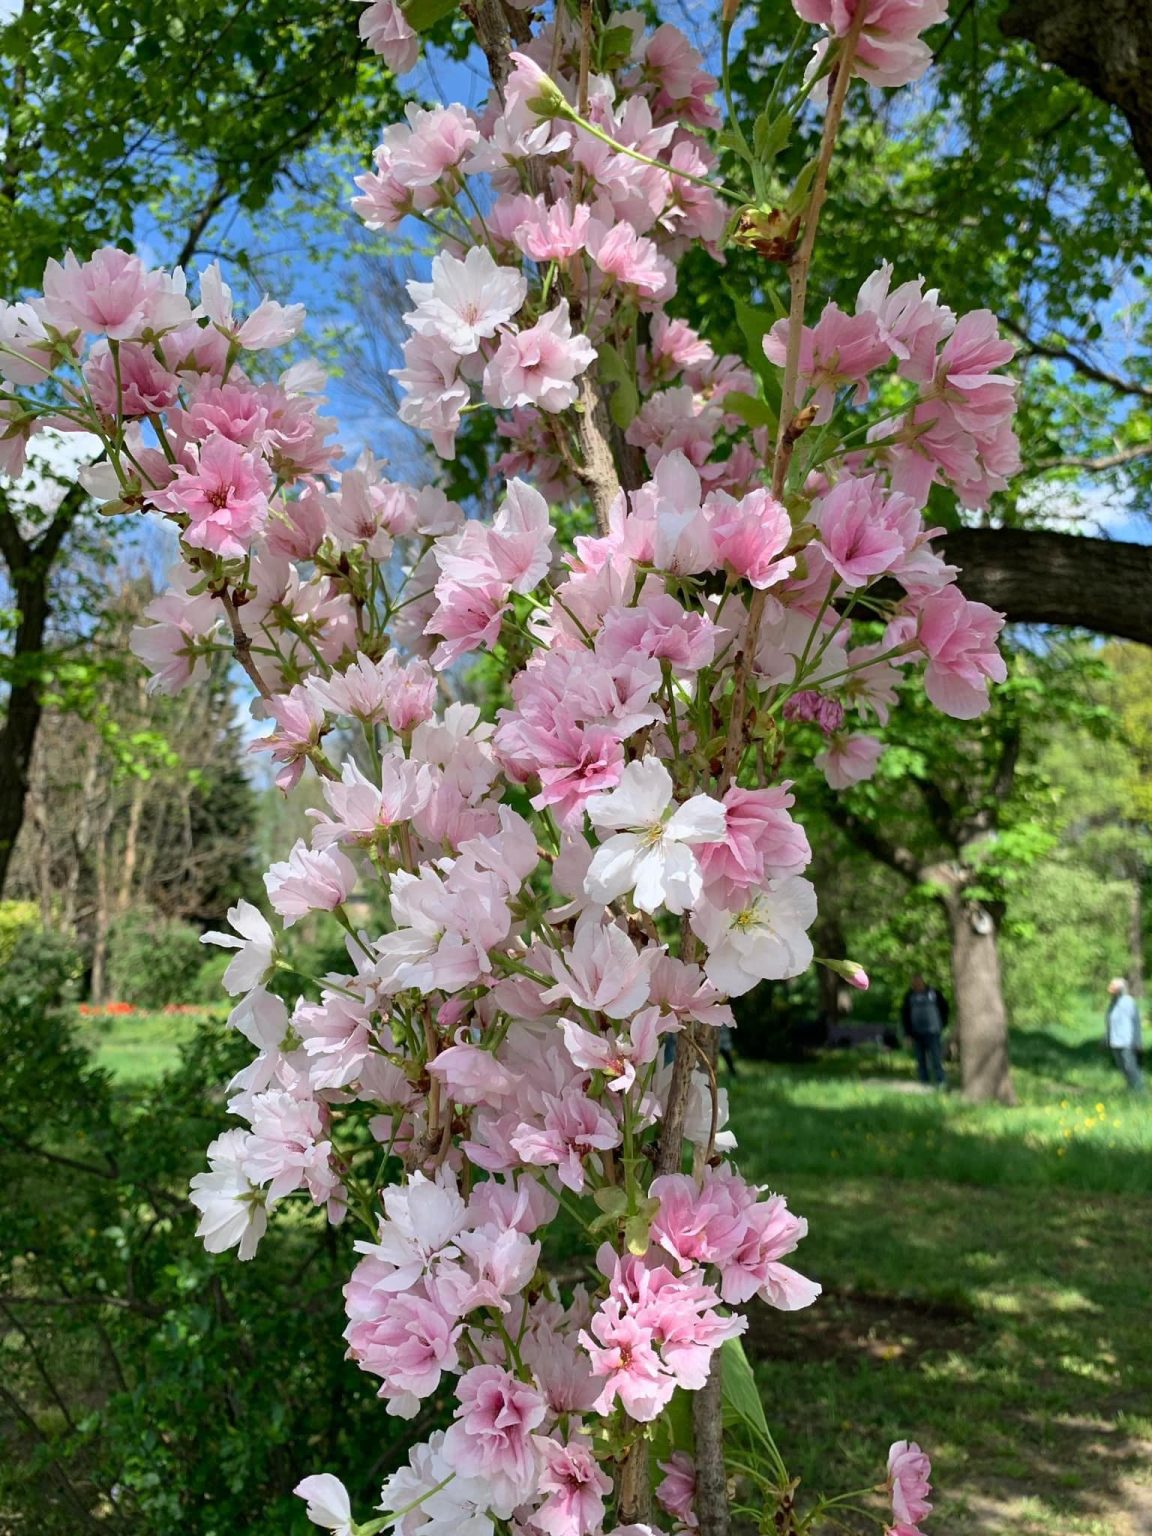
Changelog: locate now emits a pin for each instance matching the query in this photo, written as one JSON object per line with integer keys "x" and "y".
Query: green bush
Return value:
{"x": 16, "y": 918}
{"x": 185, "y": 1392}
{"x": 1067, "y": 934}
{"x": 153, "y": 960}
{"x": 40, "y": 969}
{"x": 209, "y": 984}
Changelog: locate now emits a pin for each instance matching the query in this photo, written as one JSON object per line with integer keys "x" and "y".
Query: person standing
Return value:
{"x": 1124, "y": 1033}
{"x": 925, "y": 1018}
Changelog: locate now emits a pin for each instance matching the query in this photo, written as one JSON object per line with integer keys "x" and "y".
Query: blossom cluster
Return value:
{"x": 546, "y": 906}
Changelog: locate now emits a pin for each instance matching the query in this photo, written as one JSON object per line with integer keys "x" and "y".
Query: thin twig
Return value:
{"x": 787, "y": 429}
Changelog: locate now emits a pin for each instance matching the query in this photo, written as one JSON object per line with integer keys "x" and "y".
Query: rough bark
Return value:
{"x": 100, "y": 919}
{"x": 978, "y": 998}
{"x": 1038, "y": 577}
{"x": 1136, "y": 937}
{"x": 1104, "y": 44}
{"x": 29, "y": 563}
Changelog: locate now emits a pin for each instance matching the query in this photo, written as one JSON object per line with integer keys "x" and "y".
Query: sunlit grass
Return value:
{"x": 985, "y": 1282}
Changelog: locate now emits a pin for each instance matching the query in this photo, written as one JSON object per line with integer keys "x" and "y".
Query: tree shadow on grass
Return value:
{"x": 975, "y": 1299}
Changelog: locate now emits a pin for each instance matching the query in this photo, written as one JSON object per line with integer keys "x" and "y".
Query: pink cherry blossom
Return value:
{"x": 404, "y": 1339}
{"x": 575, "y": 1486}
{"x": 849, "y": 759}
{"x": 676, "y": 1492}
{"x": 889, "y": 50}
{"x": 908, "y": 1472}
{"x": 112, "y": 295}
{"x": 472, "y": 1076}
{"x": 25, "y": 350}
{"x": 602, "y": 971}
{"x": 838, "y": 350}
{"x": 959, "y": 638}
{"x": 861, "y": 531}
{"x": 466, "y": 301}
{"x": 750, "y": 536}
{"x": 431, "y": 143}
{"x": 299, "y": 719}
{"x": 309, "y": 881}
{"x": 616, "y": 1056}
{"x": 760, "y": 842}
{"x": 553, "y": 233}
{"x": 492, "y": 1437}
{"x": 912, "y": 322}
{"x": 539, "y": 366}
{"x": 289, "y": 1148}
{"x": 224, "y": 496}
{"x": 384, "y": 28}
{"x": 269, "y": 325}
{"x": 361, "y": 809}
{"x": 573, "y": 1129}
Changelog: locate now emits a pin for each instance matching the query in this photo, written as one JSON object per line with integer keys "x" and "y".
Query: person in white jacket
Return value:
{"x": 1124, "y": 1033}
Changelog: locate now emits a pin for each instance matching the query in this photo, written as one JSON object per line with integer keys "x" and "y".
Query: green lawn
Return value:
{"x": 986, "y": 1274}
{"x": 987, "y": 1286}
{"x": 139, "y": 1047}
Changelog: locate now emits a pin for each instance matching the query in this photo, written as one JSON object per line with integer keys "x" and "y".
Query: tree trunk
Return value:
{"x": 29, "y": 570}
{"x": 23, "y": 707}
{"x": 1136, "y": 937}
{"x": 978, "y": 994}
{"x": 100, "y": 918}
{"x": 131, "y": 847}
{"x": 1105, "y": 44}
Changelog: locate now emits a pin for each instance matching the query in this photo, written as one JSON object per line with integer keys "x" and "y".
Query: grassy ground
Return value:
{"x": 986, "y": 1284}
{"x": 139, "y": 1047}
{"x": 986, "y": 1276}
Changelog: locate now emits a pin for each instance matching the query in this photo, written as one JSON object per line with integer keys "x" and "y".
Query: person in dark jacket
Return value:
{"x": 925, "y": 1018}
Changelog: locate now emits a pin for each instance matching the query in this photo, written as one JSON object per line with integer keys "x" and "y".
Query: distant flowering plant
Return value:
{"x": 576, "y": 887}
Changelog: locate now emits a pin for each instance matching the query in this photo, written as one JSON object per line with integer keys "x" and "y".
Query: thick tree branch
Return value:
{"x": 1040, "y": 577}
{"x": 1104, "y": 44}
{"x": 866, "y": 836}
{"x": 1061, "y": 352}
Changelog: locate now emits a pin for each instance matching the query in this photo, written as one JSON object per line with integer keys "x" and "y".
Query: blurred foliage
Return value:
{"x": 42, "y": 967}
{"x": 152, "y": 959}
{"x": 1009, "y": 187}
{"x": 195, "y": 107}
{"x": 16, "y": 917}
{"x": 149, "y": 1387}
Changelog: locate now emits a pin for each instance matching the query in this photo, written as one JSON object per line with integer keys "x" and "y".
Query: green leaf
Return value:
{"x": 799, "y": 193}
{"x": 750, "y": 408}
{"x": 741, "y": 1397}
{"x": 611, "y": 1199}
{"x": 422, "y": 14}
{"x": 624, "y": 397}
{"x": 636, "y": 1234}
{"x": 769, "y": 135}
{"x": 754, "y": 326}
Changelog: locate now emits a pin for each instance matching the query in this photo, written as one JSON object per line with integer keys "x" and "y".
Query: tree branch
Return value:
{"x": 873, "y": 842}
{"x": 1100, "y": 465}
{"x": 1042, "y": 577}
{"x": 1063, "y": 353}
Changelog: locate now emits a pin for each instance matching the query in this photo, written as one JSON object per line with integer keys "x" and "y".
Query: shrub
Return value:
{"x": 153, "y": 960}
{"x": 191, "y": 1381}
{"x": 16, "y": 918}
{"x": 40, "y": 968}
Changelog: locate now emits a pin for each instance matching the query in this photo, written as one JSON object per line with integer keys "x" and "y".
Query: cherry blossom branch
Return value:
{"x": 242, "y": 644}
{"x": 791, "y": 423}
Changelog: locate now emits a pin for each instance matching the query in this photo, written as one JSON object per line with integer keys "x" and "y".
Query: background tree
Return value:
{"x": 1020, "y": 191}
{"x": 167, "y": 122}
